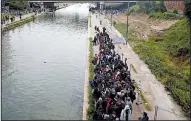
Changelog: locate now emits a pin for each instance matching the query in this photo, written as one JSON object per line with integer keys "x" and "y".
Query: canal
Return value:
{"x": 43, "y": 66}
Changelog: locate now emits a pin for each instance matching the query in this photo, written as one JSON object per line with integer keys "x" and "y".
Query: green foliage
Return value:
{"x": 18, "y": 23}
{"x": 175, "y": 11}
{"x": 150, "y": 6}
{"x": 147, "y": 106}
{"x": 18, "y": 4}
{"x": 161, "y": 58}
{"x": 187, "y": 9}
{"x": 165, "y": 15}
{"x": 135, "y": 8}
{"x": 4, "y": 15}
{"x": 90, "y": 17}
{"x": 91, "y": 108}
{"x": 155, "y": 9}
{"x": 158, "y": 6}
{"x": 134, "y": 69}
{"x": 177, "y": 37}
{"x": 114, "y": 23}
{"x": 162, "y": 6}
{"x": 122, "y": 28}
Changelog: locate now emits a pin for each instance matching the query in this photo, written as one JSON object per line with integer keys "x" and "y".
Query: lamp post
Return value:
{"x": 127, "y": 24}
{"x": 111, "y": 15}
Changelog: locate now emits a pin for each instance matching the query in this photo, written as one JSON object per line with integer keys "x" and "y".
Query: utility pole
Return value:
{"x": 105, "y": 9}
{"x": 111, "y": 15}
{"x": 127, "y": 23}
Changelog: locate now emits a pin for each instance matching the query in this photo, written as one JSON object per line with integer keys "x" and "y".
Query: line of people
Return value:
{"x": 113, "y": 88}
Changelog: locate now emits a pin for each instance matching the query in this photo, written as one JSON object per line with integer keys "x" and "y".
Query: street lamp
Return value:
{"x": 111, "y": 15}
{"x": 127, "y": 24}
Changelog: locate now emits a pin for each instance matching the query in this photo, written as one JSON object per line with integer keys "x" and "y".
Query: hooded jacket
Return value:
{"x": 129, "y": 103}
{"x": 124, "y": 114}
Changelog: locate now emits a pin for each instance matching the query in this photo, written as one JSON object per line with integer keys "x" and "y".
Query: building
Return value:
{"x": 98, "y": 5}
{"x": 4, "y": 5}
{"x": 176, "y": 4}
{"x": 102, "y": 5}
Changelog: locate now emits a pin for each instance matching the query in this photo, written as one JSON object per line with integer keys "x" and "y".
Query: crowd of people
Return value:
{"x": 11, "y": 14}
{"x": 113, "y": 88}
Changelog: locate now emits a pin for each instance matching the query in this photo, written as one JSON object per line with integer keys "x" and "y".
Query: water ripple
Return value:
{"x": 43, "y": 67}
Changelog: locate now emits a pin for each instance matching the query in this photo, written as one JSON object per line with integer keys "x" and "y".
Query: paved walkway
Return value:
{"x": 18, "y": 19}
{"x": 137, "y": 110}
{"x": 152, "y": 88}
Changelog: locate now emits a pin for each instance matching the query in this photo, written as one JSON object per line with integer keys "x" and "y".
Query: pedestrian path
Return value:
{"x": 17, "y": 18}
{"x": 111, "y": 31}
{"x": 153, "y": 90}
{"x": 137, "y": 110}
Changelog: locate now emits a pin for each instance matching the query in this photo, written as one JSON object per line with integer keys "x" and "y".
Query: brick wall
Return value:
{"x": 175, "y": 4}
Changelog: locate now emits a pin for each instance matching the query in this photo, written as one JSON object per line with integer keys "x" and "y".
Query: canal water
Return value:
{"x": 43, "y": 66}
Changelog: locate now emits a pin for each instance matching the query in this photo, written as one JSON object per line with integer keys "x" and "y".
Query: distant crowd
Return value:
{"x": 9, "y": 15}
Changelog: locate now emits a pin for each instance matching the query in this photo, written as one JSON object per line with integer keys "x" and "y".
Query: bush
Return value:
{"x": 165, "y": 15}
{"x": 161, "y": 63}
{"x": 135, "y": 8}
{"x": 177, "y": 37}
{"x": 187, "y": 9}
{"x": 18, "y": 4}
{"x": 175, "y": 11}
{"x": 114, "y": 23}
{"x": 150, "y": 6}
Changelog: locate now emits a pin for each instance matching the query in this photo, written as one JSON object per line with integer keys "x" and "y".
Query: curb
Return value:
{"x": 86, "y": 95}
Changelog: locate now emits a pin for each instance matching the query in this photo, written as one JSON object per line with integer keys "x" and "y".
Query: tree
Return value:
{"x": 187, "y": 9}
{"x": 162, "y": 6}
{"x": 18, "y": 4}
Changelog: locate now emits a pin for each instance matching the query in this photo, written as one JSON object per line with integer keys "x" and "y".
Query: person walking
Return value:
{"x": 126, "y": 114}
{"x": 20, "y": 15}
{"x": 129, "y": 103}
{"x": 95, "y": 40}
{"x": 144, "y": 118}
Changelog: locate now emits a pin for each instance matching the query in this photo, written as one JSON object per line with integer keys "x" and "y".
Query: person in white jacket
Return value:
{"x": 125, "y": 114}
{"x": 128, "y": 102}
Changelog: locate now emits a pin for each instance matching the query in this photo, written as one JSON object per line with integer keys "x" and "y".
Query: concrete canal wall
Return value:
{"x": 86, "y": 83}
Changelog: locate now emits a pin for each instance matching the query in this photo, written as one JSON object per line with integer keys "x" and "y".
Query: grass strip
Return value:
{"x": 90, "y": 20}
{"x": 134, "y": 69}
{"x": 163, "y": 60}
{"x": 147, "y": 106}
{"x": 18, "y": 23}
{"x": 91, "y": 107}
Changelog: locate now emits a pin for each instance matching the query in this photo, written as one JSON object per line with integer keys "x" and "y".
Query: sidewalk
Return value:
{"x": 137, "y": 110}
{"x": 153, "y": 90}
{"x": 18, "y": 19}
